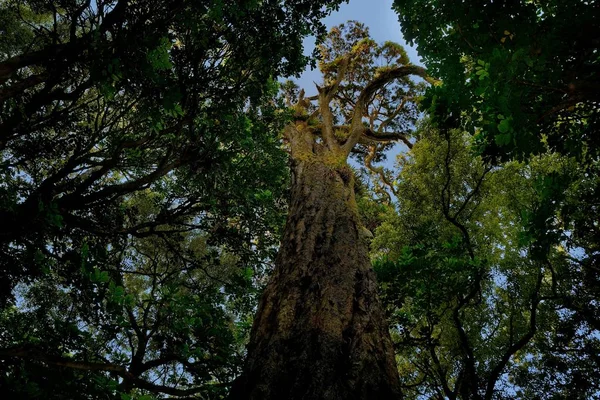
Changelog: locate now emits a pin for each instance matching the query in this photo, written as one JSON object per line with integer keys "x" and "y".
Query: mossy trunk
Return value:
{"x": 320, "y": 332}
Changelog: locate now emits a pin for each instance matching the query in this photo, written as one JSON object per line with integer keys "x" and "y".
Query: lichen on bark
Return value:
{"x": 320, "y": 331}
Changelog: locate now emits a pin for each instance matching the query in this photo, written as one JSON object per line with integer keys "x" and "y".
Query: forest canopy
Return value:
{"x": 179, "y": 220}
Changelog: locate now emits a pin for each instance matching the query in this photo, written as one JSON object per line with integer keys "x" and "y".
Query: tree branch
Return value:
{"x": 495, "y": 374}
{"x": 32, "y": 353}
{"x": 379, "y": 171}
{"x": 325, "y": 96}
{"x": 384, "y": 137}
{"x": 367, "y": 93}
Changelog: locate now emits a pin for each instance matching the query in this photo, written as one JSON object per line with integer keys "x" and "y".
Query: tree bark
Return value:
{"x": 320, "y": 332}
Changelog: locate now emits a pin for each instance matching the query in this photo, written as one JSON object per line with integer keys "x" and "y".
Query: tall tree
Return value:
{"x": 319, "y": 332}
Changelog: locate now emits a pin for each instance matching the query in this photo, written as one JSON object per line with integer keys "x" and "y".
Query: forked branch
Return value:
{"x": 384, "y": 77}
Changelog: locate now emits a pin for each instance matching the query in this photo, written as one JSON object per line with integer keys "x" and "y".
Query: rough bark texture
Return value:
{"x": 320, "y": 332}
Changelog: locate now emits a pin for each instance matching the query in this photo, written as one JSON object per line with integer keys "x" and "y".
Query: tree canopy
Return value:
{"x": 518, "y": 91}
{"x": 151, "y": 151}
{"x": 141, "y": 190}
{"x": 516, "y": 73}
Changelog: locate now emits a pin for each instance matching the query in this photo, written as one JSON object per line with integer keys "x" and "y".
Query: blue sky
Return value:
{"x": 375, "y": 14}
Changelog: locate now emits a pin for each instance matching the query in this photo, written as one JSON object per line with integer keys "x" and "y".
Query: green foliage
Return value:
{"x": 521, "y": 59}
{"x": 477, "y": 271}
{"x": 142, "y": 189}
{"x": 522, "y": 81}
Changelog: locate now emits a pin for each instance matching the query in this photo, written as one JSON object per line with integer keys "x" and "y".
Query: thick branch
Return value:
{"x": 368, "y": 136}
{"x": 367, "y": 93}
{"x": 472, "y": 379}
{"x": 34, "y": 354}
{"x": 385, "y": 137}
{"x": 68, "y": 51}
{"x": 21, "y": 86}
{"x": 325, "y": 96}
{"x": 379, "y": 171}
{"x": 9, "y": 67}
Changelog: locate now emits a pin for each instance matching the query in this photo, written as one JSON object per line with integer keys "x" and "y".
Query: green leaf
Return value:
{"x": 504, "y": 125}
{"x": 502, "y": 139}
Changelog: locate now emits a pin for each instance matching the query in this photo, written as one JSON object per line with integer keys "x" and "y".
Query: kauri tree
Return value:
{"x": 320, "y": 332}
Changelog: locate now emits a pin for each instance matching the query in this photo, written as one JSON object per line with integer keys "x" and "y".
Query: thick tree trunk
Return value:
{"x": 320, "y": 332}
